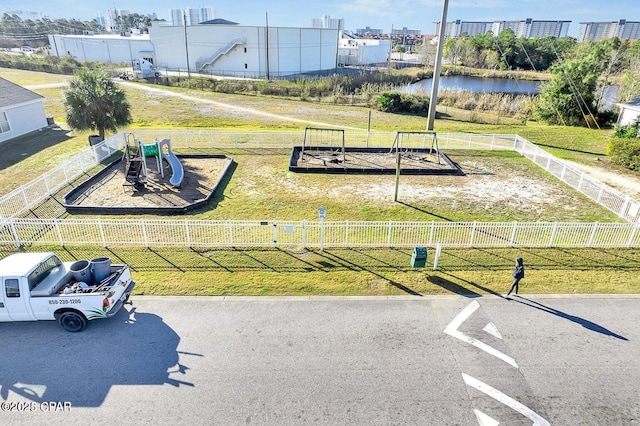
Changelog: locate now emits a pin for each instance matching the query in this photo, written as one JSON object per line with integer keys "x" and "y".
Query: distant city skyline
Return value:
{"x": 382, "y": 14}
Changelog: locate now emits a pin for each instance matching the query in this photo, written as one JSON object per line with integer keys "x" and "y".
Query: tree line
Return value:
{"x": 575, "y": 94}
{"x": 506, "y": 51}
{"x": 580, "y": 71}
{"x": 17, "y": 32}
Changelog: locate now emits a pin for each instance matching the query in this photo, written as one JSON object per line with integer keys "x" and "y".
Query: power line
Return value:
{"x": 534, "y": 68}
{"x": 576, "y": 93}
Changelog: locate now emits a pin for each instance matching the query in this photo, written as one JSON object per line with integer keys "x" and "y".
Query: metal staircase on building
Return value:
{"x": 201, "y": 64}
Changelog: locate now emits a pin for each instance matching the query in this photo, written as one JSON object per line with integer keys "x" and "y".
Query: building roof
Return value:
{"x": 13, "y": 94}
{"x": 633, "y": 104}
{"x": 218, "y": 21}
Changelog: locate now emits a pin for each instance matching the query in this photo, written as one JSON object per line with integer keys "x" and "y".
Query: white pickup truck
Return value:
{"x": 39, "y": 286}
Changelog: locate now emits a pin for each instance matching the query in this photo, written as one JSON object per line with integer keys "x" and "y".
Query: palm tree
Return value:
{"x": 93, "y": 101}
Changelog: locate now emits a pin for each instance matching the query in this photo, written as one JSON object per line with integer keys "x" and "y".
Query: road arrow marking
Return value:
{"x": 504, "y": 399}
{"x": 492, "y": 330}
{"x": 452, "y": 330}
{"x": 485, "y": 420}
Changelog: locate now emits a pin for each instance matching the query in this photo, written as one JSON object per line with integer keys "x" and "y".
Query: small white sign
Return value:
{"x": 322, "y": 212}
{"x": 289, "y": 229}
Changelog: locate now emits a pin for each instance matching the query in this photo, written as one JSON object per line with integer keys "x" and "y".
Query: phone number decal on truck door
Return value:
{"x": 64, "y": 301}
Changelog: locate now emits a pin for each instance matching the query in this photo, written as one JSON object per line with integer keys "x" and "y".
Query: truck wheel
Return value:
{"x": 72, "y": 321}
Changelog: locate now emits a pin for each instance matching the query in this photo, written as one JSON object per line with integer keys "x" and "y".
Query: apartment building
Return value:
{"x": 327, "y": 21}
{"x": 525, "y": 28}
{"x": 194, "y": 16}
{"x": 623, "y": 29}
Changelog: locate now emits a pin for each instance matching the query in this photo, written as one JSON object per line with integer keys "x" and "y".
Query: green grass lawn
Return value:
{"x": 335, "y": 271}
{"x": 366, "y": 271}
{"x": 499, "y": 186}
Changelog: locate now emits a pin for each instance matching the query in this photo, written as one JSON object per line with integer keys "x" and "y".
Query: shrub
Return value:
{"x": 389, "y": 102}
{"x": 628, "y": 132}
{"x": 625, "y": 152}
{"x": 400, "y": 102}
{"x": 606, "y": 118}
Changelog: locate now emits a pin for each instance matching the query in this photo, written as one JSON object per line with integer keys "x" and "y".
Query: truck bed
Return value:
{"x": 56, "y": 283}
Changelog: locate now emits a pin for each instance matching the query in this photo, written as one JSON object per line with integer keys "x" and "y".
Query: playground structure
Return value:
{"x": 325, "y": 151}
{"x": 135, "y": 155}
{"x": 168, "y": 185}
{"x": 314, "y": 136}
{"x": 404, "y": 144}
{"x": 174, "y": 162}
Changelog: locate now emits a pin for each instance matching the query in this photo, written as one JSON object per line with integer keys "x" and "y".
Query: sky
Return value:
{"x": 382, "y": 14}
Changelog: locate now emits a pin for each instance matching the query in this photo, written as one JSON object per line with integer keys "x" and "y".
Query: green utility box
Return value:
{"x": 419, "y": 257}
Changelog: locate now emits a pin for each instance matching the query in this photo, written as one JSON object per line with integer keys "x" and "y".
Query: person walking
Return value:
{"x": 518, "y": 274}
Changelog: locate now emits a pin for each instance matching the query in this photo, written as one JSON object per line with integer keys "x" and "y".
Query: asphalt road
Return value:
{"x": 446, "y": 360}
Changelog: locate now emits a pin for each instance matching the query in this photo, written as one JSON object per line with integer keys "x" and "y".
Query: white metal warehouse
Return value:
{"x": 101, "y": 48}
{"x": 244, "y": 51}
{"x": 217, "y": 49}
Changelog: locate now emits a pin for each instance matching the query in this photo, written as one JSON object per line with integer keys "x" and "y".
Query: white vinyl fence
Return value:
{"x": 622, "y": 205}
{"x": 15, "y": 230}
{"x": 30, "y": 195}
{"x": 212, "y": 233}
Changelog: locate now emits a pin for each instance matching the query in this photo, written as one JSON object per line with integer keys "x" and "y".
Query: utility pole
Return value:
{"x": 390, "y": 49}
{"x": 436, "y": 69}
{"x": 186, "y": 43}
{"x": 337, "y": 46}
{"x": 266, "y": 17}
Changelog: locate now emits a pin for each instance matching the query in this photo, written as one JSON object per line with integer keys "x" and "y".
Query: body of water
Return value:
{"x": 475, "y": 84}
{"x": 610, "y": 94}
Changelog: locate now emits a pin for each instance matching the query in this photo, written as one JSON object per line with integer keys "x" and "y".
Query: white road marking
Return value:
{"x": 506, "y": 400}
{"x": 485, "y": 420}
{"x": 452, "y": 330}
{"x": 492, "y": 330}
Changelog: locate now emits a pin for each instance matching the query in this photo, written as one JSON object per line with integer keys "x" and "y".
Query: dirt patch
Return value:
{"x": 201, "y": 175}
{"x": 627, "y": 183}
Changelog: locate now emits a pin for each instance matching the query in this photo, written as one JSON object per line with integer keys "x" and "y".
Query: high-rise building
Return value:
{"x": 369, "y": 31}
{"x": 101, "y": 20}
{"x": 404, "y": 31}
{"x": 328, "y": 22}
{"x": 532, "y": 28}
{"x": 457, "y": 28}
{"x": 112, "y": 21}
{"x": 194, "y": 16}
{"x": 623, "y": 29}
{"x": 526, "y": 28}
{"x": 176, "y": 17}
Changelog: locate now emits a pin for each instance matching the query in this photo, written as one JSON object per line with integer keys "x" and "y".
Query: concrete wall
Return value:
{"x": 23, "y": 119}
